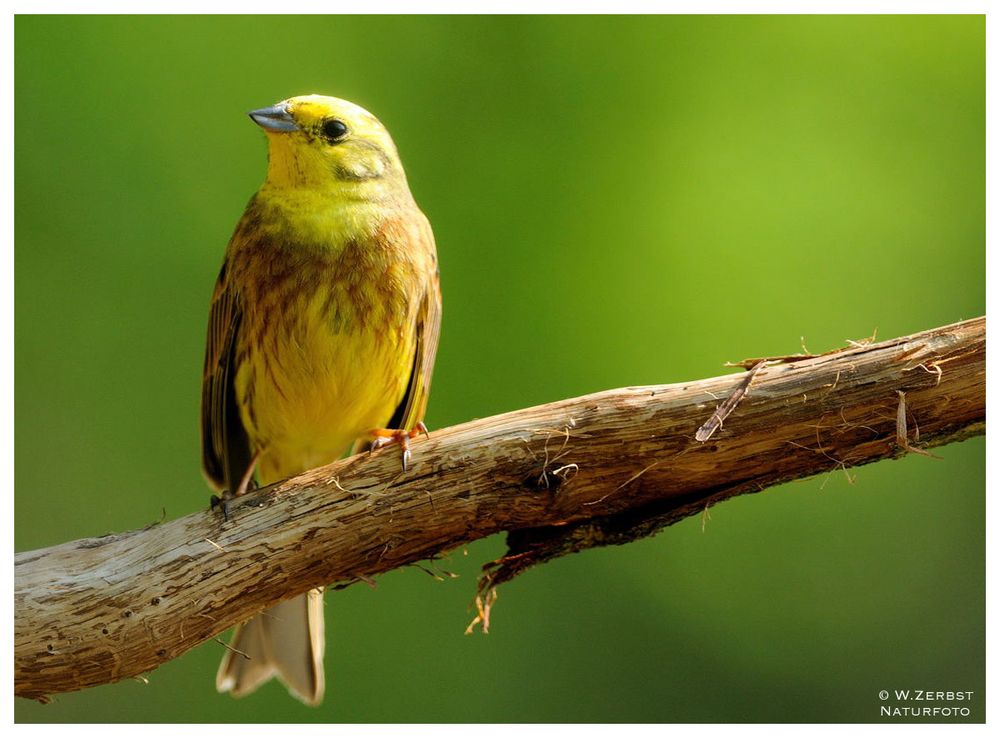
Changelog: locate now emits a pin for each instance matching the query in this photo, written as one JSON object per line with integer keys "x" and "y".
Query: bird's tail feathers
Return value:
{"x": 287, "y": 641}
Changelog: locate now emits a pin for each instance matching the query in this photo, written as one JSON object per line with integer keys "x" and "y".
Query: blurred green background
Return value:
{"x": 616, "y": 201}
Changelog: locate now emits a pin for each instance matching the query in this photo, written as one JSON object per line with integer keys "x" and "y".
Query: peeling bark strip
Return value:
{"x": 592, "y": 470}
{"x": 726, "y": 408}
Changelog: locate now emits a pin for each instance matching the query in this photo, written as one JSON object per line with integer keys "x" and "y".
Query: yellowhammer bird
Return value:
{"x": 322, "y": 334}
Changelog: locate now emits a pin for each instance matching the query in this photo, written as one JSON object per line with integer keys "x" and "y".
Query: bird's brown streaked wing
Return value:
{"x": 225, "y": 445}
{"x": 412, "y": 407}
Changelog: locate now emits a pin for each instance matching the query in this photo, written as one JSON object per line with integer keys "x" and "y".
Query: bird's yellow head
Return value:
{"x": 323, "y": 142}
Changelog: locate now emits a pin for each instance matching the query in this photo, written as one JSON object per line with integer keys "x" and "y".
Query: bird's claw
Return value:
{"x": 215, "y": 501}
{"x": 247, "y": 484}
{"x": 225, "y": 499}
{"x": 386, "y": 437}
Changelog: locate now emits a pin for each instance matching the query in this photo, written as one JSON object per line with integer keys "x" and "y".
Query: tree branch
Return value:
{"x": 603, "y": 468}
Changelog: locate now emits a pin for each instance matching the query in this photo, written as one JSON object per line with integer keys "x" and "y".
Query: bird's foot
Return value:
{"x": 247, "y": 484}
{"x": 222, "y": 502}
{"x": 387, "y": 436}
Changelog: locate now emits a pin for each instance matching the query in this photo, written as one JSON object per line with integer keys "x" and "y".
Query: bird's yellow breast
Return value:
{"x": 328, "y": 340}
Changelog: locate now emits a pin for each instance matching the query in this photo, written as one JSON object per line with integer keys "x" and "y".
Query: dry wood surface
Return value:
{"x": 603, "y": 468}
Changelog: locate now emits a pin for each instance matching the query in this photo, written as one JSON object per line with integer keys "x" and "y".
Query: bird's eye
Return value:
{"x": 334, "y": 130}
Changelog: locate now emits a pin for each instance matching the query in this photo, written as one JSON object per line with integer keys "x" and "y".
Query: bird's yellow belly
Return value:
{"x": 312, "y": 385}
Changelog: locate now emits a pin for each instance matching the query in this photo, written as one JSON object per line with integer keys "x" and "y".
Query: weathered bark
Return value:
{"x": 593, "y": 470}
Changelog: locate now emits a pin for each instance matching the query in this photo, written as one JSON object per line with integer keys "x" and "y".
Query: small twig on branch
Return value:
{"x": 595, "y": 470}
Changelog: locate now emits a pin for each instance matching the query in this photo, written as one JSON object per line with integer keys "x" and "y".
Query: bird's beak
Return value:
{"x": 275, "y": 118}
